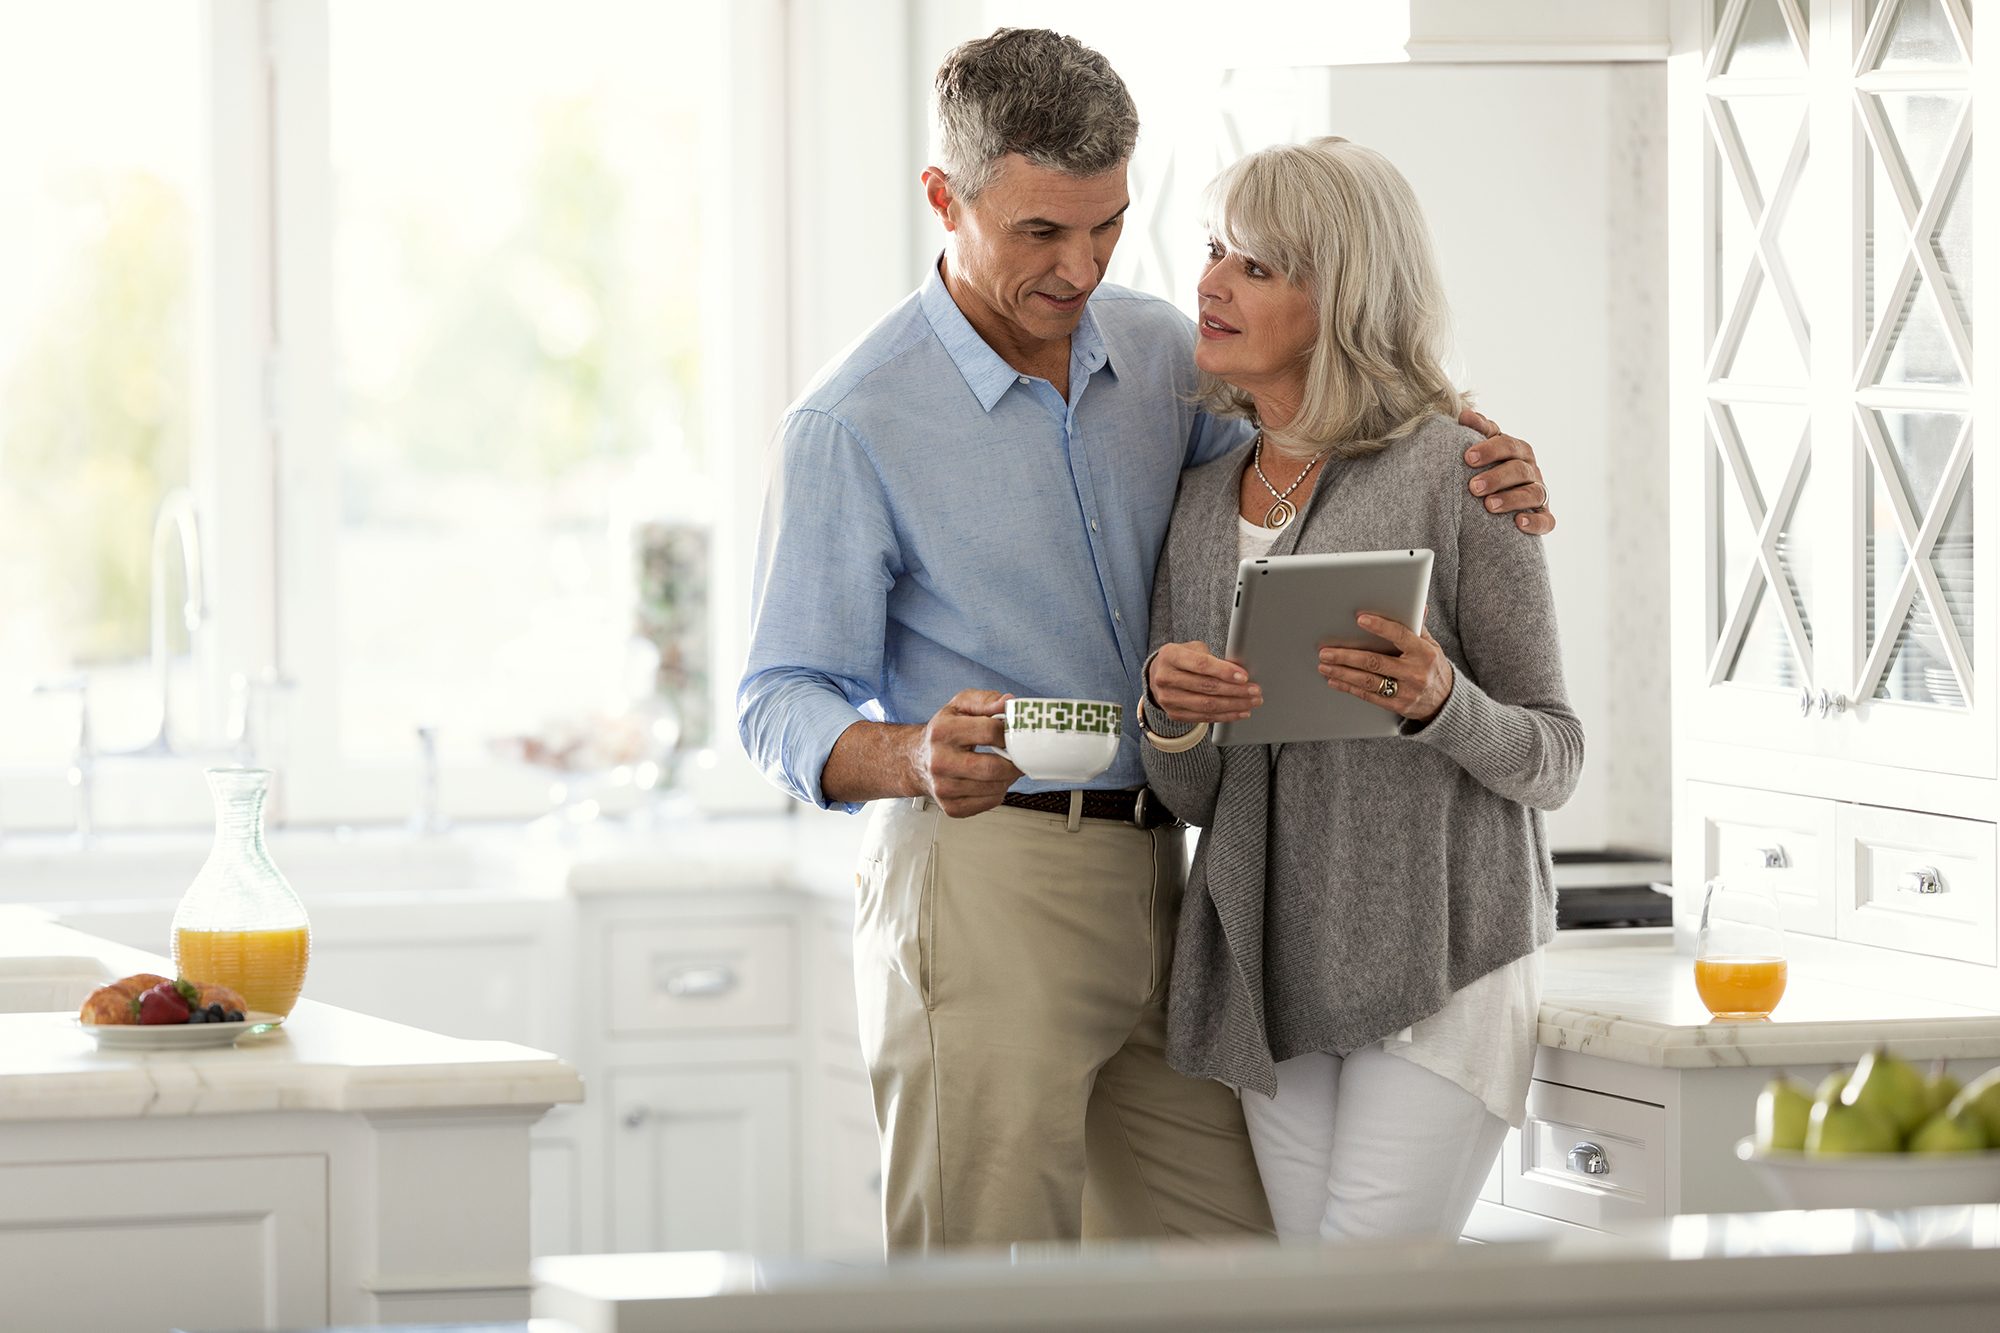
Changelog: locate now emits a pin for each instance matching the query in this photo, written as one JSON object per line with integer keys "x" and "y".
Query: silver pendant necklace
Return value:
{"x": 1283, "y": 511}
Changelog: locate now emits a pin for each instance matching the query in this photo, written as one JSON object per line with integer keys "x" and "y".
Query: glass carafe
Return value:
{"x": 1739, "y": 953}
{"x": 239, "y": 924}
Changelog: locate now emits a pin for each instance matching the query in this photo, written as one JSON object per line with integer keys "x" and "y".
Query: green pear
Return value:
{"x": 1783, "y": 1109}
{"x": 1982, "y": 1097}
{"x": 1837, "y": 1130}
{"x": 1940, "y": 1087}
{"x": 1830, "y": 1086}
{"x": 1889, "y": 1087}
{"x": 1945, "y": 1132}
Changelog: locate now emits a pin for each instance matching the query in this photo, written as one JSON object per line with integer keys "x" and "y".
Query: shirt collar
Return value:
{"x": 986, "y": 372}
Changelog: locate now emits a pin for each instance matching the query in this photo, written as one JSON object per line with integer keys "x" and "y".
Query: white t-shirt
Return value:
{"x": 1484, "y": 1038}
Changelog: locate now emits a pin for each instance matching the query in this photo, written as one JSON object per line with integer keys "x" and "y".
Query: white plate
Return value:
{"x": 177, "y": 1036}
{"x": 1874, "y": 1180}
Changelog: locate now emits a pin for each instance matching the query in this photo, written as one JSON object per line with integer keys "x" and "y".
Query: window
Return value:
{"x": 419, "y": 304}
{"x": 99, "y": 210}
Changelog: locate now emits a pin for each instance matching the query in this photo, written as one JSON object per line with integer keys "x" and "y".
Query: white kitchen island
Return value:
{"x": 342, "y": 1169}
{"x": 1639, "y": 1095}
{"x": 1833, "y": 1271}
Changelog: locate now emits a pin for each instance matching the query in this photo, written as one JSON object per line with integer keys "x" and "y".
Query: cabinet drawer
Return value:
{"x": 1789, "y": 838}
{"x": 1918, "y": 883}
{"x": 670, "y": 977}
{"x": 1547, "y": 1165}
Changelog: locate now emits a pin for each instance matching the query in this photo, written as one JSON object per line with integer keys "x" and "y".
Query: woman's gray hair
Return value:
{"x": 1030, "y": 91}
{"x": 1340, "y": 222}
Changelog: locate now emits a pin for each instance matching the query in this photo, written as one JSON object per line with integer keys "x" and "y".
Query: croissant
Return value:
{"x": 210, "y": 993}
{"x": 112, "y": 1003}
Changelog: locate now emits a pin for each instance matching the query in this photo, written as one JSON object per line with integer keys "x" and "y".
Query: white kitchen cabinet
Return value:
{"x": 1832, "y": 471}
{"x": 1789, "y": 841}
{"x": 1611, "y": 1146}
{"x": 703, "y": 1159}
{"x": 462, "y": 962}
{"x": 193, "y": 1243}
{"x": 1922, "y": 884}
{"x": 1834, "y": 589}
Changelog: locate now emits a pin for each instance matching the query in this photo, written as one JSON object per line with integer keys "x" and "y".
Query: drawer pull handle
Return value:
{"x": 1589, "y": 1160}
{"x": 1924, "y": 880}
{"x": 1768, "y": 858}
{"x": 699, "y": 983}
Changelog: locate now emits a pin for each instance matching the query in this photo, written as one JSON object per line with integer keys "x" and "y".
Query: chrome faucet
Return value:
{"x": 176, "y": 518}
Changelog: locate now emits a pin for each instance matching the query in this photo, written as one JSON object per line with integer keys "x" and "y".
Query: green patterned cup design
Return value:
{"x": 1068, "y": 740}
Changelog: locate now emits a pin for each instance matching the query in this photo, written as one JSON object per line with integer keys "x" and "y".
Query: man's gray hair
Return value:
{"x": 1030, "y": 91}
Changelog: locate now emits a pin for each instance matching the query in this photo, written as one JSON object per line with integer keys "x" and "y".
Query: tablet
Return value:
{"x": 1287, "y": 608}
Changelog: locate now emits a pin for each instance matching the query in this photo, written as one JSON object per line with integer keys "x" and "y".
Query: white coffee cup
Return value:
{"x": 1067, "y": 740}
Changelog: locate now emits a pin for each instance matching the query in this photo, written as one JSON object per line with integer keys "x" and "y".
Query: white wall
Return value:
{"x": 1545, "y": 190}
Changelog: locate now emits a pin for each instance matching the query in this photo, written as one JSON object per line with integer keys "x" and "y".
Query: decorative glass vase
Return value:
{"x": 239, "y": 924}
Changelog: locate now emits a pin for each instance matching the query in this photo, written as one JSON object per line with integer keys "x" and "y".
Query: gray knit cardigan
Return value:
{"x": 1342, "y": 890}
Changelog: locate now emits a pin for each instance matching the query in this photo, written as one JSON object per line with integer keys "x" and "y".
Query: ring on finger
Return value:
{"x": 1387, "y": 689}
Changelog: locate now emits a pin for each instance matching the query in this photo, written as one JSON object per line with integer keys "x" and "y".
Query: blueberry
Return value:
{"x": 197, "y": 1016}
{"x": 233, "y": 1016}
{"x": 215, "y": 1014}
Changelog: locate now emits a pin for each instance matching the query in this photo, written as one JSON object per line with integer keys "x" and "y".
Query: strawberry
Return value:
{"x": 162, "y": 1004}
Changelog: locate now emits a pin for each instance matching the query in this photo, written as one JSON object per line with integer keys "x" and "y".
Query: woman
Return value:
{"x": 1360, "y": 946}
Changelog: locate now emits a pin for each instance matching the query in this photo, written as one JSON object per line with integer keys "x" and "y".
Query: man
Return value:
{"x": 969, "y": 505}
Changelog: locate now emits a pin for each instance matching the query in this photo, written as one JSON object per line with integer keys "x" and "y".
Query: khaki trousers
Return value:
{"x": 1012, "y": 974}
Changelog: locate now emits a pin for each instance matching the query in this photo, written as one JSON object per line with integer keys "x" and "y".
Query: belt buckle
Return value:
{"x": 1139, "y": 807}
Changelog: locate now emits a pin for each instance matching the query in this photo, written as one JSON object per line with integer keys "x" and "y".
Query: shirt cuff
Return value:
{"x": 819, "y": 721}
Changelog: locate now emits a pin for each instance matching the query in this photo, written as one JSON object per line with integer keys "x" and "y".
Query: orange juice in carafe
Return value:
{"x": 1740, "y": 987}
{"x": 266, "y": 967}
{"x": 239, "y": 924}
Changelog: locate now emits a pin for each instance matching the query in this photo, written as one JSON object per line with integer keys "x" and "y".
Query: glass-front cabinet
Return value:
{"x": 1835, "y": 599}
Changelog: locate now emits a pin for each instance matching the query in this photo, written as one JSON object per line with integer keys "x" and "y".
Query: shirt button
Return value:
{"x": 1118, "y": 616}
{"x": 1093, "y": 525}
{"x": 1024, "y": 379}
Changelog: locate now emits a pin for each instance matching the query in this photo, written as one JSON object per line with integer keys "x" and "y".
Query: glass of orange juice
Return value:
{"x": 1739, "y": 952}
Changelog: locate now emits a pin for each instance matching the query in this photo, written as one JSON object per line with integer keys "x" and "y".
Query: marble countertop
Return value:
{"x": 1636, "y": 1003}
{"x": 1831, "y": 1270}
{"x": 322, "y": 1059}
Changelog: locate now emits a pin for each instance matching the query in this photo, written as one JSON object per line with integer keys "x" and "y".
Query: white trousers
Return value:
{"x": 1370, "y": 1145}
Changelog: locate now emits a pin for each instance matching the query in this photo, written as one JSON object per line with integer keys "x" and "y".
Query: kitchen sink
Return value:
{"x": 39, "y": 985}
{"x": 156, "y": 867}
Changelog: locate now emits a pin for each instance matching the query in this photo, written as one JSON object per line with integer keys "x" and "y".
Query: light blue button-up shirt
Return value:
{"x": 938, "y": 521}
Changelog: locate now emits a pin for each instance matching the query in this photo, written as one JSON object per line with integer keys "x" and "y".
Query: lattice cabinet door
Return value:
{"x": 1840, "y": 603}
{"x": 1918, "y": 386}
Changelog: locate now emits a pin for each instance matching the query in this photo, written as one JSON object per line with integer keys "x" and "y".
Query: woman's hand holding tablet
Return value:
{"x": 1290, "y": 610}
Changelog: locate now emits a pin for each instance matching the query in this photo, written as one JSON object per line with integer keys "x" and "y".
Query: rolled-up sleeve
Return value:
{"x": 827, "y": 558}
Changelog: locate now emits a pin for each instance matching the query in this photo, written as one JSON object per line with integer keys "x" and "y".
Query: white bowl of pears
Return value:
{"x": 1880, "y": 1135}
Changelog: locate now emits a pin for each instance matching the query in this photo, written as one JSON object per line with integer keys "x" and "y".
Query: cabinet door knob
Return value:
{"x": 1805, "y": 701}
{"x": 1924, "y": 879}
{"x": 1831, "y": 703}
{"x": 637, "y": 1117}
{"x": 1588, "y": 1159}
{"x": 702, "y": 982}
{"x": 1768, "y": 858}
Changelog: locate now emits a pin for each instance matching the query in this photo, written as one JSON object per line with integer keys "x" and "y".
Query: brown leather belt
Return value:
{"x": 1139, "y": 807}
